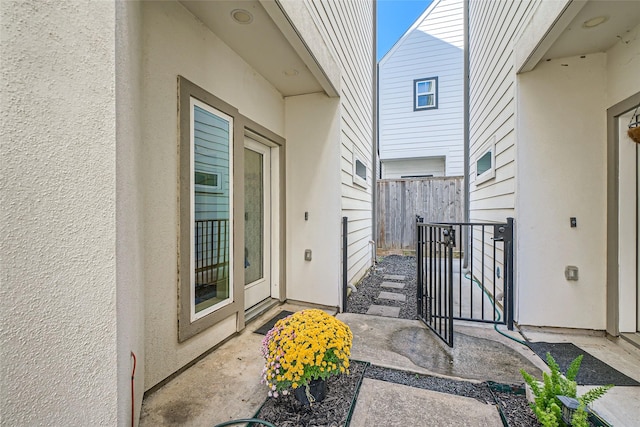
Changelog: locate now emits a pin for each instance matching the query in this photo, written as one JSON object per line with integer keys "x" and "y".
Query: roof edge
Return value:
{"x": 413, "y": 26}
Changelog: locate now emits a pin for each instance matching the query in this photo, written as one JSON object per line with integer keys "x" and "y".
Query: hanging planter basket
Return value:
{"x": 634, "y": 134}
{"x": 634, "y": 126}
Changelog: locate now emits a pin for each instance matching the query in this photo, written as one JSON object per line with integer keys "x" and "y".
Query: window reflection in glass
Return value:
{"x": 211, "y": 234}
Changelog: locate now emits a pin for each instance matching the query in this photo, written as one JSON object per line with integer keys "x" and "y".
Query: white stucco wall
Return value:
{"x": 189, "y": 49}
{"x": 58, "y": 356}
{"x": 129, "y": 203}
{"x": 313, "y": 180}
{"x": 561, "y": 155}
{"x": 623, "y": 67}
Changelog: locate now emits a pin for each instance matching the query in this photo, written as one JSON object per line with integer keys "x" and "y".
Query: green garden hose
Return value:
{"x": 495, "y": 326}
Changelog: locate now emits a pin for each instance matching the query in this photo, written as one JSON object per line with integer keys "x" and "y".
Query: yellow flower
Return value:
{"x": 306, "y": 345}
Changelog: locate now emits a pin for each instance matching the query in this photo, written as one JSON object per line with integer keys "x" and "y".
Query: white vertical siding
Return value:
{"x": 493, "y": 27}
{"x": 432, "y": 48}
{"x": 347, "y": 26}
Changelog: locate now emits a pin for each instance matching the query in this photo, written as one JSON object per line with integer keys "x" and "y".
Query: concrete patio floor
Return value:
{"x": 225, "y": 384}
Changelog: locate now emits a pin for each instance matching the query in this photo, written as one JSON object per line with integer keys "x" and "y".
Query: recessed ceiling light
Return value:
{"x": 291, "y": 72}
{"x": 594, "y": 22}
{"x": 242, "y": 16}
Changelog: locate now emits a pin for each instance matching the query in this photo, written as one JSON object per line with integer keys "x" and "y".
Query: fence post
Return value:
{"x": 508, "y": 262}
{"x": 449, "y": 290}
{"x": 344, "y": 264}
{"x": 419, "y": 264}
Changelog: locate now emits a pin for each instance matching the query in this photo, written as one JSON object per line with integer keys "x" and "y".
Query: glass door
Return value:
{"x": 257, "y": 222}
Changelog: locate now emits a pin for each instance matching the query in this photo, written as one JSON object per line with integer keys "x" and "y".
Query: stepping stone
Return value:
{"x": 392, "y": 296}
{"x": 393, "y": 277}
{"x": 392, "y": 285}
{"x": 384, "y": 311}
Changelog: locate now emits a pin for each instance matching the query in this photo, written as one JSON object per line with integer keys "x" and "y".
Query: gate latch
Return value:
{"x": 501, "y": 231}
{"x": 449, "y": 237}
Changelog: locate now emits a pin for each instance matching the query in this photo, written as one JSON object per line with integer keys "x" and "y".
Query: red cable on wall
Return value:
{"x": 133, "y": 397}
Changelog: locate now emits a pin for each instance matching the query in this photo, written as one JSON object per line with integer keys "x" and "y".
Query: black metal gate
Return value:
{"x": 465, "y": 272}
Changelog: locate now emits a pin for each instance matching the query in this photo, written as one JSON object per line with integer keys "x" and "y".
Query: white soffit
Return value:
{"x": 260, "y": 43}
{"x": 575, "y": 39}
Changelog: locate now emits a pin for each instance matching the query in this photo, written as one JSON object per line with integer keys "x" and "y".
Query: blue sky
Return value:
{"x": 394, "y": 18}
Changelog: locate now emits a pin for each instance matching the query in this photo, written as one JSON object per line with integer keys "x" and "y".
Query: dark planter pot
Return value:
{"x": 315, "y": 391}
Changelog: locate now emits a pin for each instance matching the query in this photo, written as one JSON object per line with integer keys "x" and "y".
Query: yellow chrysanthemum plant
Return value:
{"x": 307, "y": 345}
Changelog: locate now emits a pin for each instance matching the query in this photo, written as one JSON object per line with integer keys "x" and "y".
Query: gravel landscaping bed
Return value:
{"x": 480, "y": 391}
{"x": 333, "y": 411}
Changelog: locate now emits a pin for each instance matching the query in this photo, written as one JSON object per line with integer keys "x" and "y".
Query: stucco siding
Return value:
{"x": 567, "y": 137}
{"x": 130, "y": 206}
{"x": 190, "y": 49}
{"x": 348, "y": 27}
{"x": 433, "y": 47}
{"x": 58, "y": 303}
{"x": 313, "y": 180}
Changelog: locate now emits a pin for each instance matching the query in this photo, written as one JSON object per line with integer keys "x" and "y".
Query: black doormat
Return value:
{"x": 592, "y": 371}
{"x": 262, "y": 330}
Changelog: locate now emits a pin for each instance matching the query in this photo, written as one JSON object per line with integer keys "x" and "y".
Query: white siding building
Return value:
{"x": 163, "y": 174}
{"x": 552, "y": 87}
{"x": 420, "y": 97}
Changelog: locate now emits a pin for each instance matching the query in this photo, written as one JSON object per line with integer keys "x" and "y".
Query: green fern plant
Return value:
{"x": 580, "y": 416}
{"x": 547, "y": 407}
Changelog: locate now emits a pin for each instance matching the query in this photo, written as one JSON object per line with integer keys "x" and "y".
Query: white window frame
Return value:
{"x": 357, "y": 179}
{"x": 211, "y": 188}
{"x": 199, "y": 315}
{"x": 491, "y": 172}
{"x": 433, "y": 92}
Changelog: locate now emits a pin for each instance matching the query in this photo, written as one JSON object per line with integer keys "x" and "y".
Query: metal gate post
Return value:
{"x": 451, "y": 242}
{"x": 420, "y": 264}
{"x": 508, "y": 262}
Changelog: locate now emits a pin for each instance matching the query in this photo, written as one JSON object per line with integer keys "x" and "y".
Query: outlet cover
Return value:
{"x": 571, "y": 272}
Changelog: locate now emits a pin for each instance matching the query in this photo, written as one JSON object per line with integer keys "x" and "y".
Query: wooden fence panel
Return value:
{"x": 400, "y": 200}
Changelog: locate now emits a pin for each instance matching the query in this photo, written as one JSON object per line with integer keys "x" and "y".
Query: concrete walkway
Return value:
{"x": 226, "y": 385}
{"x": 386, "y": 404}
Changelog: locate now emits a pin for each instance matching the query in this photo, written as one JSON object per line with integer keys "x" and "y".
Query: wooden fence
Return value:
{"x": 400, "y": 200}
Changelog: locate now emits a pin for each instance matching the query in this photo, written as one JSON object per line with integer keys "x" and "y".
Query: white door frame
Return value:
{"x": 622, "y": 242}
{"x": 271, "y": 249}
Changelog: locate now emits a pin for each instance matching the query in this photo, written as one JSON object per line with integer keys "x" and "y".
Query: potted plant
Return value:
{"x": 634, "y": 126}
{"x": 551, "y": 396}
{"x": 301, "y": 351}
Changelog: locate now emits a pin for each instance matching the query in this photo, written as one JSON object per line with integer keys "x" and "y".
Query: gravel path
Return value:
{"x": 369, "y": 288}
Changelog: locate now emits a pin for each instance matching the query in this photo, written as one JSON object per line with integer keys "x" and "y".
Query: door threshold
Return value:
{"x": 633, "y": 339}
{"x": 260, "y": 308}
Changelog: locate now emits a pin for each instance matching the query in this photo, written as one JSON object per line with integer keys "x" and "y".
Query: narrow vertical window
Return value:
{"x": 425, "y": 93}
{"x": 211, "y": 187}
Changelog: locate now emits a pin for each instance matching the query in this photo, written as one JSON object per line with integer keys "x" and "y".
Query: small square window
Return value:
{"x": 486, "y": 164}
{"x": 425, "y": 93}
{"x": 359, "y": 171}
